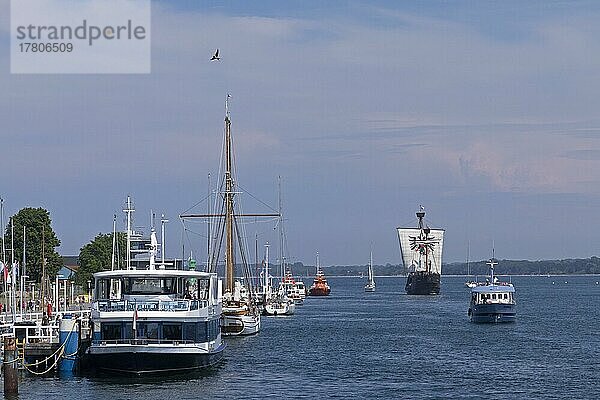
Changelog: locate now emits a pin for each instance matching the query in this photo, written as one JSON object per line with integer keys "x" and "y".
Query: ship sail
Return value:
{"x": 413, "y": 246}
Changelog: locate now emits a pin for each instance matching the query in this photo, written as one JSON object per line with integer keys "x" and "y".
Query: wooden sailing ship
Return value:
{"x": 241, "y": 315}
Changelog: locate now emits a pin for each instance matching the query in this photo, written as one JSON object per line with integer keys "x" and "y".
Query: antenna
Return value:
{"x": 163, "y": 221}
{"x": 129, "y": 210}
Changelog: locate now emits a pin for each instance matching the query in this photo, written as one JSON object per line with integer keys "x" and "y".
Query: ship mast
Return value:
{"x": 229, "y": 257}
{"x": 128, "y": 211}
{"x": 424, "y": 233}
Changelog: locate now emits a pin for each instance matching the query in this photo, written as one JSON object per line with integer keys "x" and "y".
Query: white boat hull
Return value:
{"x": 279, "y": 308}
{"x": 240, "y": 325}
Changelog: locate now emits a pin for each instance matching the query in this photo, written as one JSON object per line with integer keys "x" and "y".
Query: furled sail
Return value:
{"x": 414, "y": 246}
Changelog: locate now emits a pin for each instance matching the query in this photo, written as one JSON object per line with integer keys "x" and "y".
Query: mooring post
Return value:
{"x": 11, "y": 379}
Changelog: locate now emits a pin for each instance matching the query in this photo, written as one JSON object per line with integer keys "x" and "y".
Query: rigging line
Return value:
{"x": 219, "y": 232}
{"x": 195, "y": 205}
{"x": 202, "y": 235}
{"x": 256, "y": 198}
{"x": 245, "y": 267}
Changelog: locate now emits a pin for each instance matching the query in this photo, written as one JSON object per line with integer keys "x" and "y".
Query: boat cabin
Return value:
{"x": 493, "y": 294}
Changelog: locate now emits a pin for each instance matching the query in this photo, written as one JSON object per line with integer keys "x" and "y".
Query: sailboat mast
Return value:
{"x": 281, "y": 249}
{"x": 266, "y": 285}
{"x": 229, "y": 259}
{"x": 208, "y": 230}
{"x": 2, "y": 228}
{"x": 371, "y": 266}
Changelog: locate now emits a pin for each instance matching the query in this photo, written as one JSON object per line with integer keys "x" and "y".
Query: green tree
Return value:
{"x": 96, "y": 256}
{"x": 38, "y": 226}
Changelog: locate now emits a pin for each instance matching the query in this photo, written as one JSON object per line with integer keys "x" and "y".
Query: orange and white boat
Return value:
{"x": 319, "y": 286}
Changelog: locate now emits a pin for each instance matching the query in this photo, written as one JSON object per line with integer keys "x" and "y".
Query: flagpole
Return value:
{"x": 12, "y": 265}
{"x": 3, "y": 247}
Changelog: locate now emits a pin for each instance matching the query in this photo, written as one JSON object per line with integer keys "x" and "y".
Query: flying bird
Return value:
{"x": 215, "y": 56}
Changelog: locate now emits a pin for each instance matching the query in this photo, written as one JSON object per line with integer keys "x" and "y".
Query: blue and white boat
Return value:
{"x": 492, "y": 301}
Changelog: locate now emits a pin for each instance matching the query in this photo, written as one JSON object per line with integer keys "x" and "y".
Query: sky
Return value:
{"x": 483, "y": 112}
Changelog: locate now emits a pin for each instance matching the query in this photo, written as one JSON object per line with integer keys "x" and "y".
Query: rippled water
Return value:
{"x": 390, "y": 345}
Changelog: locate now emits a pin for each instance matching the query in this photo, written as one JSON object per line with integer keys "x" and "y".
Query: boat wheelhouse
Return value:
{"x": 492, "y": 301}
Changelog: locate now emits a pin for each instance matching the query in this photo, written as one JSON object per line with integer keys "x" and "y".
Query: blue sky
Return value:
{"x": 483, "y": 112}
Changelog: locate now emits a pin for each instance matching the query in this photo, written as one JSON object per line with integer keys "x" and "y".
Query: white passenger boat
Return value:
{"x": 154, "y": 320}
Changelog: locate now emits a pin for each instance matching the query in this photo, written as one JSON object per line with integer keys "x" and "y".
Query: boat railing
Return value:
{"x": 144, "y": 341}
{"x": 159, "y": 305}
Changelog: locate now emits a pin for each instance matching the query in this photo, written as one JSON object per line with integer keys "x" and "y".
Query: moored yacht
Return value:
{"x": 154, "y": 320}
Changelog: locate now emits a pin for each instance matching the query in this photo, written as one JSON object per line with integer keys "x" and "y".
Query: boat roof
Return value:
{"x": 154, "y": 273}
{"x": 507, "y": 287}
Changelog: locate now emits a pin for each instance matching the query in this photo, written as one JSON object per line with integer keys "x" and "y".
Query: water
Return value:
{"x": 390, "y": 345}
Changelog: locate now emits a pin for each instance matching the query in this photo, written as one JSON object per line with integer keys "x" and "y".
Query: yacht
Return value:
{"x": 492, "y": 301}
{"x": 154, "y": 320}
{"x": 370, "y": 286}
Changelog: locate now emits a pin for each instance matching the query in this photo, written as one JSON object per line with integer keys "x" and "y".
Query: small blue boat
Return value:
{"x": 492, "y": 301}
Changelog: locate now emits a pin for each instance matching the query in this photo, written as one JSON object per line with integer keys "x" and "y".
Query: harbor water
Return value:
{"x": 388, "y": 345}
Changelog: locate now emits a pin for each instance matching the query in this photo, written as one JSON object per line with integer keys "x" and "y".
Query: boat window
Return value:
{"x": 213, "y": 329}
{"x": 494, "y": 296}
{"x": 171, "y": 331}
{"x": 189, "y": 331}
{"x": 140, "y": 285}
{"x": 147, "y": 330}
{"x": 102, "y": 289}
{"x": 202, "y": 334}
{"x": 203, "y": 286}
{"x": 128, "y": 330}
{"x": 111, "y": 331}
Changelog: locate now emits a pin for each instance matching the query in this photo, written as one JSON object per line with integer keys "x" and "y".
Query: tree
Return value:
{"x": 96, "y": 256}
{"x": 37, "y": 225}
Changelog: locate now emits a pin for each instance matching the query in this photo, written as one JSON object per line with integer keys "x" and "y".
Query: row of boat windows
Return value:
{"x": 493, "y": 296}
{"x": 184, "y": 287}
{"x": 171, "y": 331}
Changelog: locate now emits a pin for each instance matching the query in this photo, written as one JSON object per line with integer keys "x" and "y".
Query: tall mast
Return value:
{"x": 13, "y": 274}
{"x": 24, "y": 265}
{"x": 281, "y": 242}
{"x": 2, "y": 228}
{"x": 229, "y": 258}
{"x": 371, "y": 266}
{"x": 208, "y": 232}
{"x": 128, "y": 211}
{"x": 43, "y": 270}
{"x": 266, "y": 290}
{"x": 423, "y": 234}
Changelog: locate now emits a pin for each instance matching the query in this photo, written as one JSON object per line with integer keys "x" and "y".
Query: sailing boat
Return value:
{"x": 240, "y": 315}
{"x": 422, "y": 255}
{"x": 370, "y": 286}
{"x": 275, "y": 303}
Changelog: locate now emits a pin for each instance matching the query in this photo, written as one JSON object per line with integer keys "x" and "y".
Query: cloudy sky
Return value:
{"x": 484, "y": 112}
